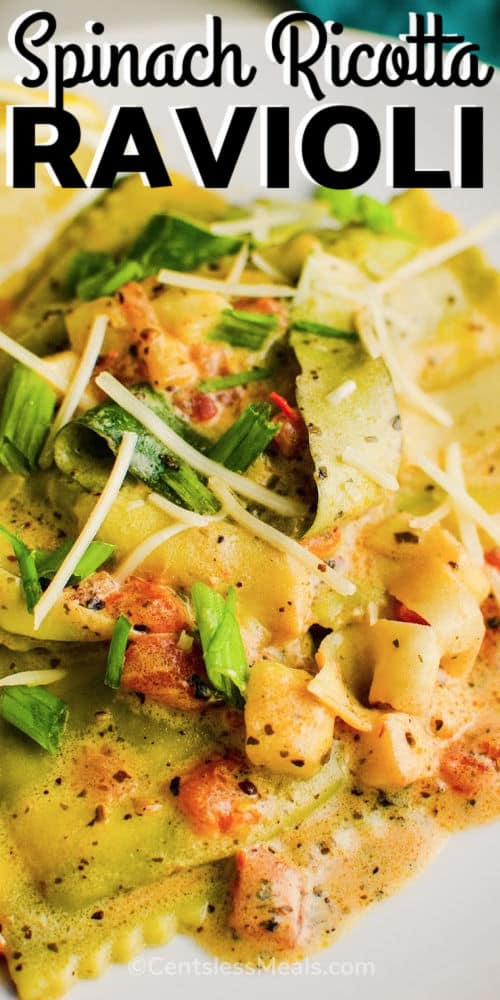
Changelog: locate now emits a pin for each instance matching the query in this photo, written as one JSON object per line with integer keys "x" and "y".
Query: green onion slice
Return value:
{"x": 322, "y": 330}
{"x": 180, "y": 244}
{"x": 116, "y": 652}
{"x": 241, "y": 328}
{"x": 348, "y": 207}
{"x": 36, "y": 712}
{"x": 223, "y": 651}
{"x": 25, "y": 419}
{"x": 246, "y": 439}
{"x": 27, "y": 568}
{"x": 47, "y": 563}
{"x": 234, "y": 379}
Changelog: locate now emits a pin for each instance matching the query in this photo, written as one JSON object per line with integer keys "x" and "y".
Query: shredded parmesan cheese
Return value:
{"x": 195, "y": 281}
{"x": 33, "y": 678}
{"x": 402, "y": 383}
{"x": 142, "y": 551}
{"x": 238, "y": 266}
{"x": 259, "y": 223}
{"x": 440, "y": 254}
{"x": 280, "y": 541}
{"x": 189, "y": 517}
{"x": 78, "y": 383}
{"x": 342, "y": 392}
{"x": 203, "y": 464}
{"x": 89, "y": 531}
{"x": 263, "y": 265}
{"x": 358, "y": 461}
{"x": 461, "y": 498}
{"x": 427, "y": 521}
{"x": 467, "y": 528}
{"x": 38, "y": 365}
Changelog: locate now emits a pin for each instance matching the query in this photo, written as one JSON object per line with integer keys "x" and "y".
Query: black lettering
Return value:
{"x": 277, "y": 128}
{"x": 406, "y": 173}
{"x": 299, "y": 67}
{"x": 313, "y": 147}
{"x": 131, "y": 123}
{"x": 26, "y": 153}
{"x": 216, "y": 171}
{"x": 34, "y": 17}
{"x": 471, "y": 147}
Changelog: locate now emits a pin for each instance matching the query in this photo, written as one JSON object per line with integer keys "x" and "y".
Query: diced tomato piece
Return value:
{"x": 199, "y": 406}
{"x": 156, "y": 666}
{"x": 404, "y": 614}
{"x": 216, "y": 798}
{"x": 291, "y": 438}
{"x": 151, "y": 606}
{"x": 469, "y": 764}
{"x": 268, "y": 899}
{"x": 266, "y": 306}
{"x": 493, "y": 557}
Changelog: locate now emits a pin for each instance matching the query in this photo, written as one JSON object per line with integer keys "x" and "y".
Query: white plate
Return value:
{"x": 438, "y": 937}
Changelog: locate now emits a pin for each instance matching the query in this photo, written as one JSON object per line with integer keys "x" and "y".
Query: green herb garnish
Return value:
{"x": 223, "y": 651}
{"x": 25, "y": 419}
{"x": 152, "y": 463}
{"x": 180, "y": 244}
{"x": 236, "y": 378}
{"x": 246, "y": 439}
{"x": 116, "y": 652}
{"x": 244, "y": 329}
{"x": 348, "y": 207}
{"x": 36, "y": 712}
{"x": 322, "y": 330}
{"x": 47, "y": 563}
{"x": 84, "y": 265}
{"x": 108, "y": 281}
{"x": 27, "y": 568}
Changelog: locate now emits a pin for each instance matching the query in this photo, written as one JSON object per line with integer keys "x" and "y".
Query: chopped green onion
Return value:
{"x": 27, "y": 568}
{"x": 25, "y": 419}
{"x": 223, "y": 651}
{"x": 322, "y": 330}
{"x": 116, "y": 652}
{"x": 348, "y": 207}
{"x": 180, "y": 244}
{"x": 47, "y": 563}
{"x": 85, "y": 264}
{"x": 110, "y": 280}
{"x": 246, "y": 439}
{"x": 236, "y": 378}
{"x": 343, "y": 205}
{"x": 152, "y": 463}
{"x": 36, "y": 712}
{"x": 244, "y": 329}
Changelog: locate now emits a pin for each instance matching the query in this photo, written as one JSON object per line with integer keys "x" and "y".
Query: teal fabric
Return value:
{"x": 478, "y": 20}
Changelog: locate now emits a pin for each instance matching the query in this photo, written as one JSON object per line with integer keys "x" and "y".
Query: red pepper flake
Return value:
{"x": 289, "y": 412}
{"x": 404, "y": 614}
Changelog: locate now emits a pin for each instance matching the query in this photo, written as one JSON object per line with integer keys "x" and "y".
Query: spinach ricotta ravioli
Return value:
{"x": 249, "y": 572}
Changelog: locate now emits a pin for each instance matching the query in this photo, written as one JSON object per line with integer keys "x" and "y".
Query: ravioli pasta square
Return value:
{"x": 249, "y": 573}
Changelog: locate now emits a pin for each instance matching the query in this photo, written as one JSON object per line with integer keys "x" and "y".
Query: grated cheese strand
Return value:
{"x": 33, "y": 678}
{"x": 467, "y": 528}
{"x": 280, "y": 541}
{"x": 145, "y": 548}
{"x": 402, "y": 383}
{"x": 38, "y": 365}
{"x": 426, "y": 521}
{"x": 258, "y": 224}
{"x": 195, "y": 281}
{"x": 77, "y": 385}
{"x": 343, "y": 391}
{"x": 238, "y": 266}
{"x": 384, "y": 479}
{"x": 460, "y": 496}
{"x": 263, "y": 265}
{"x": 441, "y": 253}
{"x": 89, "y": 531}
{"x": 189, "y": 517}
{"x": 203, "y": 464}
